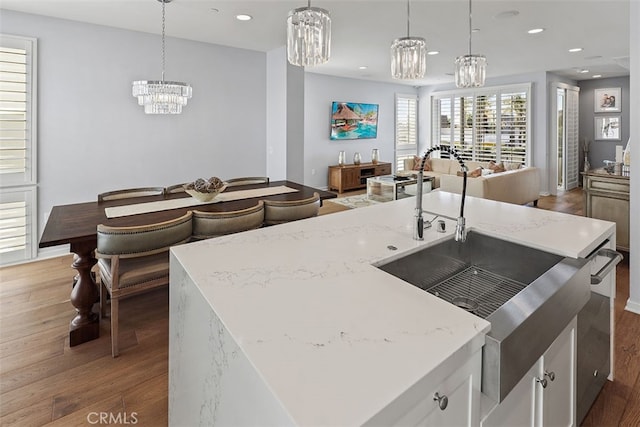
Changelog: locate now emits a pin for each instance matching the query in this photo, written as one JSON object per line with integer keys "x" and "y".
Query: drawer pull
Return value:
{"x": 543, "y": 382}
{"x": 614, "y": 259}
{"x": 551, "y": 375}
{"x": 443, "y": 400}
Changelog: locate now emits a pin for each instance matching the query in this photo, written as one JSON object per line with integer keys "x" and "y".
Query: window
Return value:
{"x": 484, "y": 124}
{"x": 18, "y": 225}
{"x": 406, "y": 128}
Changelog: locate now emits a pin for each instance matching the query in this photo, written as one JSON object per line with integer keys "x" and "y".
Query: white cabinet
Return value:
{"x": 557, "y": 401}
{"x": 443, "y": 398}
{"x": 545, "y": 396}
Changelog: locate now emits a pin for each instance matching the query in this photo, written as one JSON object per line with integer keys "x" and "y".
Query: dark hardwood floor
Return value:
{"x": 45, "y": 382}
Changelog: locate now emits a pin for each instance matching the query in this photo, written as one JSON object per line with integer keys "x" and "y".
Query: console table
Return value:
{"x": 607, "y": 198}
{"x": 354, "y": 177}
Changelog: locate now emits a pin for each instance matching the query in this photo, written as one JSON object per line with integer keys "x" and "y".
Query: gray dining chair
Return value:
{"x": 130, "y": 193}
{"x": 278, "y": 212}
{"x": 133, "y": 260}
{"x": 214, "y": 224}
{"x": 247, "y": 180}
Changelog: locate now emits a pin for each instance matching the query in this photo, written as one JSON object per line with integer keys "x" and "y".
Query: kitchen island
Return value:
{"x": 294, "y": 324}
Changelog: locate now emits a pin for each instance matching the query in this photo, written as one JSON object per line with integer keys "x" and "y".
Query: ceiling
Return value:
{"x": 363, "y": 30}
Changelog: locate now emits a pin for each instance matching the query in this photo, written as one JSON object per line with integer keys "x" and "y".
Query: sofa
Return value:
{"x": 504, "y": 182}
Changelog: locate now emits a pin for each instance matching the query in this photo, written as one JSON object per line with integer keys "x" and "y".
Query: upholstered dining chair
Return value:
{"x": 246, "y": 180}
{"x": 278, "y": 212}
{"x": 214, "y": 224}
{"x": 130, "y": 192}
{"x": 133, "y": 260}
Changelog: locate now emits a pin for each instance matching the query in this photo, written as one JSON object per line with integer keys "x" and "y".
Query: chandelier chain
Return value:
{"x": 408, "y": 18}
{"x": 470, "y": 27}
{"x": 163, "y": 25}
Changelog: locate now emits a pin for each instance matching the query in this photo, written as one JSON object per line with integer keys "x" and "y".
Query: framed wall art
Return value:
{"x": 350, "y": 120}
{"x": 607, "y": 128}
{"x": 607, "y": 100}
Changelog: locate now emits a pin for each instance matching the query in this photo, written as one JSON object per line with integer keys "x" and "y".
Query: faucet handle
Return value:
{"x": 461, "y": 232}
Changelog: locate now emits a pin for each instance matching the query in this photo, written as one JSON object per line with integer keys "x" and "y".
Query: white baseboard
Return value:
{"x": 633, "y": 306}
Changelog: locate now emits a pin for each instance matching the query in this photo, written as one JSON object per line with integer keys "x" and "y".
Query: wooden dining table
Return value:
{"x": 76, "y": 225}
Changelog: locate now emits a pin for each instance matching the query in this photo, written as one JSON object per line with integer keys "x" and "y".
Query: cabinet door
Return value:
{"x": 518, "y": 408}
{"x": 351, "y": 178}
{"x": 420, "y": 407}
{"x": 558, "y": 398}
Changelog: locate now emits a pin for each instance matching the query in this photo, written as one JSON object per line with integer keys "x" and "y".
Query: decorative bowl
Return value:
{"x": 205, "y": 197}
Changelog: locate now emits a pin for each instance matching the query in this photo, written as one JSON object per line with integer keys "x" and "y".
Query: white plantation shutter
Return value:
{"x": 571, "y": 135}
{"x": 406, "y": 143}
{"x": 18, "y": 225}
{"x": 484, "y": 124}
{"x": 17, "y": 228}
{"x": 514, "y": 126}
{"x": 485, "y": 148}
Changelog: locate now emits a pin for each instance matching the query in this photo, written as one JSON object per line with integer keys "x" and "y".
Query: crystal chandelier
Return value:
{"x": 408, "y": 55}
{"x": 161, "y": 96}
{"x": 471, "y": 69}
{"x": 308, "y": 36}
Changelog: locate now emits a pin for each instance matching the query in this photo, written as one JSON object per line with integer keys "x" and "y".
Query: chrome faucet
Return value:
{"x": 461, "y": 233}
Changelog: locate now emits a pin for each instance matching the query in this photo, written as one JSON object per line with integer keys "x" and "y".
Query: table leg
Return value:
{"x": 85, "y": 326}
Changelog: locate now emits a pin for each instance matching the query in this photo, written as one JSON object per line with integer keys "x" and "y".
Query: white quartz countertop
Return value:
{"x": 335, "y": 338}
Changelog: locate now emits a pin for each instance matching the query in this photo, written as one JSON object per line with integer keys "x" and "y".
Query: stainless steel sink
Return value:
{"x": 528, "y": 296}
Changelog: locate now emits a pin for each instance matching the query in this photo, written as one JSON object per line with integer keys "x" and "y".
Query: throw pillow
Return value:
{"x": 496, "y": 167}
{"x": 472, "y": 174}
{"x": 416, "y": 164}
{"x": 512, "y": 165}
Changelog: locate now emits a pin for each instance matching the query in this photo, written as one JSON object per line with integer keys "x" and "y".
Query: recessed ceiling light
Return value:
{"x": 433, "y": 52}
{"x": 244, "y": 17}
{"x": 214, "y": 10}
{"x": 507, "y": 14}
{"x": 575, "y": 49}
{"x": 597, "y": 76}
{"x": 475, "y": 30}
{"x": 362, "y": 67}
{"x": 535, "y": 30}
{"x": 583, "y": 71}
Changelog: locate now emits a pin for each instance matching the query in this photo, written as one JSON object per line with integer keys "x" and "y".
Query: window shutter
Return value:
{"x": 406, "y": 128}
{"x": 514, "y": 127}
{"x": 485, "y": 120}
{"x": 484, "y": 124}
{"x": 18, "y": 224}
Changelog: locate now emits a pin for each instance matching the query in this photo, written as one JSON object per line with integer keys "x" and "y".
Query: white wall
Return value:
{"x": 320, "y": 151}
{"x": 277, "y": 113}
{"x": 94, "y": 137}
{"x": 633, "y": 304}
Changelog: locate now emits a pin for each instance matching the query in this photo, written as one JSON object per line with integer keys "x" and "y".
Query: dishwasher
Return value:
{"x": 595, "y": 320}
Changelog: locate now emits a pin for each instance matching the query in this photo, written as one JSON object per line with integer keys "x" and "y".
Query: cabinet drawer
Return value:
{"x": 608, "y": 185}
{"x": 384, "y": 169}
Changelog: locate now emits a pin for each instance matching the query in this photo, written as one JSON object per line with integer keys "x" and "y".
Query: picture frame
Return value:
{"x": 353, "y": 120}
{"x": 607, "y": 128}
{"x": 608, "y": 100}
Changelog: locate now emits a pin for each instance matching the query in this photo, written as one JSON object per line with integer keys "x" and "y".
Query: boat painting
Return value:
{"x": 351, "y": 120}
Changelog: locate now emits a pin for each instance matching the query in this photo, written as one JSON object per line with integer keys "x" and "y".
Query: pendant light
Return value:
{"x": 308, "y": 36}
{"x": 471, "y": 69}
{"x": 161, "y": 96}
{"x": 408, "y": 55}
